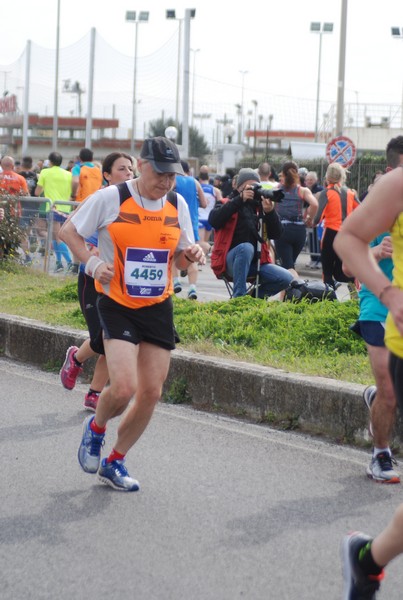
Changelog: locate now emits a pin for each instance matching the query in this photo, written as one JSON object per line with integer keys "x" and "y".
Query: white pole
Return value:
{"x": 133, "y": 136}
{"x": 194, "y": 85}
{"x": 178, "y": 73}
{"x": 342, "y": 66}
{"x": 185, "y": 122}
{"x": 25, "y": 118}
{"x": 243, "y": 73}
{"x": 318, "y": 87}
{"x": 56, "y": 100}
{"x": 88, "y": 123}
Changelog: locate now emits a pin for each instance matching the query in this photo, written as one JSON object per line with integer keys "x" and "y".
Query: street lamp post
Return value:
{"x": 142, "y": 18}
{"x": 202, "y": 116}
{"x": 56, "y": 99}
{"x": 254, "y": 102}
{"x": 319, "y": 28}
{"x": 397, "y": 34}
{"x": 238, "y": 113}
{"x": 268, "y": 129}
{"x": 243, "y": 73}
{"x": 229, "y": 131}
{"x": 342, "y": 69}
{"x": 194, "y": 81}
{"x": 171, "y": 133}
{"x": 171, "y": 14}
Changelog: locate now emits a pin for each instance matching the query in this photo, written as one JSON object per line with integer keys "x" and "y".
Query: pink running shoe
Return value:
{"x": 91, "y": 401}
{"x": 70, "y": 370}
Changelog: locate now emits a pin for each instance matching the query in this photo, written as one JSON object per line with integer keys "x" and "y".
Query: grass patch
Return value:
{"x": 178, "y": 393}
{"x": 313, "y": 339}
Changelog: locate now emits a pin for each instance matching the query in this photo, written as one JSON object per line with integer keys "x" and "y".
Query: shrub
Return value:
{"x": 11, "y": 233}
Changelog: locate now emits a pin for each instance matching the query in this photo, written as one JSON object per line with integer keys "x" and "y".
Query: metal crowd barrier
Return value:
{"x": 36, "y": 219}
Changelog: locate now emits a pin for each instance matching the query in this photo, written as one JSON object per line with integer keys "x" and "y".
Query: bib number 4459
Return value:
{"x": 147, "y": 274}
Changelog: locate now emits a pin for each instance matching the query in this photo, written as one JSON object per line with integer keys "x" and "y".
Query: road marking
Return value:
{"x": 264, "y": 433}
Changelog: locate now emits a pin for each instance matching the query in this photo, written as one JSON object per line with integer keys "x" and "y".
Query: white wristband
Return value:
{"x": 92, "y": 265}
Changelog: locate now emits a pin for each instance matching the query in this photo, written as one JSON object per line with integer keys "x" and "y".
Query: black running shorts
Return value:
{"x": 152, "y": 324}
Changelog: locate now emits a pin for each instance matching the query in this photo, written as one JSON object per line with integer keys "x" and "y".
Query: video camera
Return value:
{"x": 260, "y": 192}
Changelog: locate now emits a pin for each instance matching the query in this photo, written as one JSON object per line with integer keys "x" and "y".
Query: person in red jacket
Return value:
{"x": 237, "y": 222}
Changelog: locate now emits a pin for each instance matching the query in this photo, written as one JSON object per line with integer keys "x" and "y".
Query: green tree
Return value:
{"x": 198, "y": 147}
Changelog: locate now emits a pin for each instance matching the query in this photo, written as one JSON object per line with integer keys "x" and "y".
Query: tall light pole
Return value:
{"x": 254, "y": 102}
{"x": 5, "y": 73}
{"x": 239, "y": 113}
{"x": 194, "y": 81}
{"x": 142, "y": 18}
{"x": 25, "y": 117}
{"x": 268, "y": 129}
{"x": 243, "y": 73}
{"x": 186, "y": 84}
{"x": 342, "y": 69}
{"x": 397, "y": 34}
{"x": 320, "y": 29}
{"x": 202, "y": 116}
{"x": 171, "y": 14}
{"x": 88, "y": 121}
{"x": 56, "y": 100}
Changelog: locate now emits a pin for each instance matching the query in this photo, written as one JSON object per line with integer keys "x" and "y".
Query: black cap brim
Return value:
{"x": 165, "y": 167}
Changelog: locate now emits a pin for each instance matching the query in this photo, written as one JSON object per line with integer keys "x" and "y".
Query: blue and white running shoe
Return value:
{"x": 115, "y": 474}
{"x": 89, "y": 452}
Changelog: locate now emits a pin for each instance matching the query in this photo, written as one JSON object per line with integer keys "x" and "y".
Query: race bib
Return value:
{"x": 146, "y": 272}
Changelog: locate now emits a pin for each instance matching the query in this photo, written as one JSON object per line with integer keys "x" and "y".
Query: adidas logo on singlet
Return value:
{"x": 149, "y": 257}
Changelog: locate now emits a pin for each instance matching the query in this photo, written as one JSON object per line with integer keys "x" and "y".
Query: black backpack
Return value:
{"x": 313, "y": 291}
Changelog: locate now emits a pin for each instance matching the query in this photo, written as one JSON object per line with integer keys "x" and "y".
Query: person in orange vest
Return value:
{"x": 87, "y": 179}
{"x": 143, "y": 228}
{"x": 336, "y": 202}
{"x": 13, "y": 184}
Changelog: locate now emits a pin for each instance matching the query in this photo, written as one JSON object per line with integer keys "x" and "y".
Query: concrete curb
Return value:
{"x": 288, "y": 400}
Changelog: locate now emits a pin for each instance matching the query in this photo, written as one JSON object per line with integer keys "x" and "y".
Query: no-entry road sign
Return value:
{"x": 341, "y": 150}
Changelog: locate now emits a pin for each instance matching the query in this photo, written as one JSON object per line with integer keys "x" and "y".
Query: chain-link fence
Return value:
{"x": 359, "y": 175}
{"x": 29, "y": 232}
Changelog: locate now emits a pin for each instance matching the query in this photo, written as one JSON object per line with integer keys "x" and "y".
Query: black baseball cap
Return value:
{"x": 163, "y": 155}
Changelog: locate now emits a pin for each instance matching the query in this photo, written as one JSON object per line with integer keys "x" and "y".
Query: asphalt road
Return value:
{"x": 226, "y": 509}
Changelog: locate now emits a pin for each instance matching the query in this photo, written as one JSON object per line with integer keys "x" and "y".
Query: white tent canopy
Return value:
{"x": 307, "y": 150}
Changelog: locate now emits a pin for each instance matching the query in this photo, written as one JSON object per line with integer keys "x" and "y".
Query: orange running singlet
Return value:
{"x": 90, "y": 180}
{"x": 144, "y": 244}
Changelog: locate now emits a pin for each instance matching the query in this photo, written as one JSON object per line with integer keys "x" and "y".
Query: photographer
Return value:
{"x": 235, "y": 250}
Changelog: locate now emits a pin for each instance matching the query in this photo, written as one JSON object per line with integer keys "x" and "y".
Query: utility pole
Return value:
{"x": 342, "y": 67}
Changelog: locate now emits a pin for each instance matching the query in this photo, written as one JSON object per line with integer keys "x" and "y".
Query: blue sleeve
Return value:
{"x": 93, "y": 240}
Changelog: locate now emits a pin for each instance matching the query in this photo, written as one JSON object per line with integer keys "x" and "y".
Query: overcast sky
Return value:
{"x": 270, "y": 40}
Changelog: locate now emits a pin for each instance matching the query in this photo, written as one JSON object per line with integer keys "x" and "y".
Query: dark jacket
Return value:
{"x": 247, "y": 226}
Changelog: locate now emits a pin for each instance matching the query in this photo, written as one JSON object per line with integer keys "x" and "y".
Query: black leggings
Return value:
{"x": 396, "y": 373}
{"x": 289, "y": 245}
{"x": 87, "y": 296}
{"x": 331, "y": 263}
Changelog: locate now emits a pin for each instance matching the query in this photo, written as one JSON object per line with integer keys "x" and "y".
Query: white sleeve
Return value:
{"x": 185, "y": 224}
{"x": 97, "y": 211}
